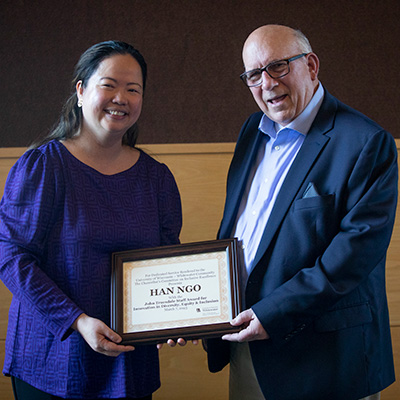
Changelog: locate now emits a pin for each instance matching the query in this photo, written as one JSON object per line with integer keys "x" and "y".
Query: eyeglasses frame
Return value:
{"x": 261, "y": 70}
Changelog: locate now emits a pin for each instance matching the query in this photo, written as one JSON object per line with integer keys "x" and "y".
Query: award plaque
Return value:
{"x": 188, "y": 291}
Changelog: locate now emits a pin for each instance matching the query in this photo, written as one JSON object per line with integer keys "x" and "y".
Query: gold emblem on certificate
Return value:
{"x": 188, "y": 290}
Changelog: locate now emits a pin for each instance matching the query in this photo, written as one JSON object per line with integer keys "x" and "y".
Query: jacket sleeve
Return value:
{"x": 27, "y": 213}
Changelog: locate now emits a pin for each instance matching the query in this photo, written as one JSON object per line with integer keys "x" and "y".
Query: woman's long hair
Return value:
{"x": 71, "y": 115}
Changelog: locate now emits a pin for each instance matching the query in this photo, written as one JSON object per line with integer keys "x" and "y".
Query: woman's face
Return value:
{"x": 112, "y": 98}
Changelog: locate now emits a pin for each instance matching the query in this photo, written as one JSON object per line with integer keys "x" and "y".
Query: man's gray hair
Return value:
{"x": 304, "y": 44}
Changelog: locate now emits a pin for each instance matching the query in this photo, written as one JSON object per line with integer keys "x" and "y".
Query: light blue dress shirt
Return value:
{"x": 273, "y": 161}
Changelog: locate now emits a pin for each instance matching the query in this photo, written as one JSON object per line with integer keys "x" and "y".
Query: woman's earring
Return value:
{"x": 80, "y": 102}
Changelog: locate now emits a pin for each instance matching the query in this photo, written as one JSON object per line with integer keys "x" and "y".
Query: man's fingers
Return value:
{"x": 242, "y": 318}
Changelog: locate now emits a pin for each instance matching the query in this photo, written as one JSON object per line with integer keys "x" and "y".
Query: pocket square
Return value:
{"x": 311, "y": 191}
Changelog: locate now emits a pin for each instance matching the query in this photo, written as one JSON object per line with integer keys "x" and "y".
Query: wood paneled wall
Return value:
{"x": 200, "y": 171}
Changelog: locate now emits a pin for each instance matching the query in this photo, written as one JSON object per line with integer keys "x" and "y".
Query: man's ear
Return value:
{"x": 313, "y": 65}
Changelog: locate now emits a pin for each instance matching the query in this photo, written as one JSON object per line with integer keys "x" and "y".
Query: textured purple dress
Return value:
{"x": 60, "y": 220}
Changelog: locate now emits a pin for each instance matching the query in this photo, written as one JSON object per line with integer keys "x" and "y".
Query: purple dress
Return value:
{"x": 60, "y": 220}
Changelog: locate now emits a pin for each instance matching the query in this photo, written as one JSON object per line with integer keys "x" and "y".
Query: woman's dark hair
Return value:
{"x": 71, "y": 115}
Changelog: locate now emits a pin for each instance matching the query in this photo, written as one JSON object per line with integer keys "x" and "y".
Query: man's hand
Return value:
{"x": 99, "y": 336}
{"x": 252, "y": 328}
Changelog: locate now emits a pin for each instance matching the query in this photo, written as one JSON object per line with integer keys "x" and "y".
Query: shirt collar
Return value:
{"x": 302, "y": 123}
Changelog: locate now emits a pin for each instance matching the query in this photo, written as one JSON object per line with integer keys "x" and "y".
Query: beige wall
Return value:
{"x": 200, "y": 171}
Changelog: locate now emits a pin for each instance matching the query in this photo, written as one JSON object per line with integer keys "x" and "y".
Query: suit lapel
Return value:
{"x": 241, "y": 166}
{"x": 313, "y": 145}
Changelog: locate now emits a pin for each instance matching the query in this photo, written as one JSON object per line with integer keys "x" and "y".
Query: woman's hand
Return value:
{"x": 180, "y": 341}
{"x": 99, "y": 336}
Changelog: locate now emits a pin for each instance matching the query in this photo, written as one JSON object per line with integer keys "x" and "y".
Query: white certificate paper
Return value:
{"x": 180, "y": 291}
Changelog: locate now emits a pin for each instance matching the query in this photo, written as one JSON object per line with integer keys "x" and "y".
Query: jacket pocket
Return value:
{"x": 314, "y": 202}
{"x": 344, "y": 318}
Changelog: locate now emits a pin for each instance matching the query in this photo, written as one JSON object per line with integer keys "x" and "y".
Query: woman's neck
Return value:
{"x": 108, "y": 158}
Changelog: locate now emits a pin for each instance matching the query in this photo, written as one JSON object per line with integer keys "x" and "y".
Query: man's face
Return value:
{"x": 281, "y": 99}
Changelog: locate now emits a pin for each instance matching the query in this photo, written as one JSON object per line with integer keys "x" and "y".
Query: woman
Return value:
{"x": 70, "y": 201}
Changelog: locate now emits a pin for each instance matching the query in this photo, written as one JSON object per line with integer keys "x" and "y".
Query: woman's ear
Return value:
{"x": 79, "y": 89}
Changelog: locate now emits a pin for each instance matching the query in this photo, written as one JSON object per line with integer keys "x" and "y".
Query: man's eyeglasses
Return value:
{"x": 276, "y": 69}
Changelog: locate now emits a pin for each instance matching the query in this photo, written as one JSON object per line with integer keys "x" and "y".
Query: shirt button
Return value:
{"x": 253, "y": 212}
{"x": 277, "y": 148}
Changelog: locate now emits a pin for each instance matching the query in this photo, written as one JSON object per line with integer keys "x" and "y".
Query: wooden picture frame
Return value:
{"x": 188, "y": 291}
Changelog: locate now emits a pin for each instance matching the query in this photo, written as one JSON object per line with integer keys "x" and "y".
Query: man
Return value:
{"x": 311, "y": 193}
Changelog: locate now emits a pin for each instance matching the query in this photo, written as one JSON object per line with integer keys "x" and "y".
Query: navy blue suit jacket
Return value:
{"x": 318, "y": 279}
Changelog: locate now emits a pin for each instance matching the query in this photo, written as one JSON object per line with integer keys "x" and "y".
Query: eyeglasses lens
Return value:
{"x": 274, "y": 70}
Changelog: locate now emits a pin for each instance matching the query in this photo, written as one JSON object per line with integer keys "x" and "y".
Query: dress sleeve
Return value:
{"x": 170, "y": 208}
{"x": 28, "y": 211}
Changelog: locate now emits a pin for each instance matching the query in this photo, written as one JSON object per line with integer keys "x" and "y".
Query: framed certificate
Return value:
{"x": 188, "y": 291}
